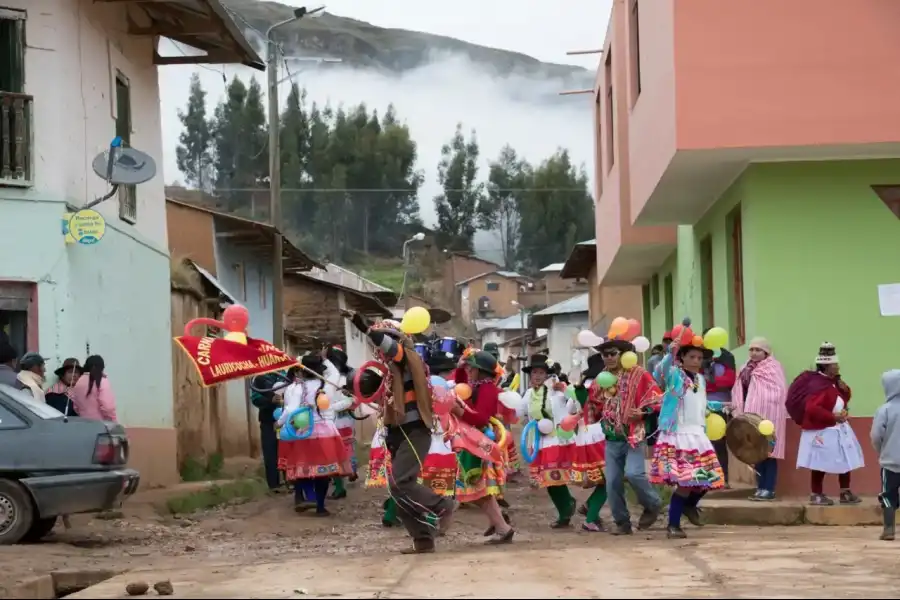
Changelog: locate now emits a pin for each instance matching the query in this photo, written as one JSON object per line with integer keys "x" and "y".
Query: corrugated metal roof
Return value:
{"x": 553, "y": 268}
{"x": 506, "y": 274}
{"x": 215, "y": 283}
{"x": 509, "y": 323}
{"x": 575, "y": 304}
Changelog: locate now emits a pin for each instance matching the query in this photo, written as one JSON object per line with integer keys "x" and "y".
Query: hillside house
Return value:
{"x": 460, "y": 266}
{"x": 87, "y": 74}
{"x": 490, "y": 295}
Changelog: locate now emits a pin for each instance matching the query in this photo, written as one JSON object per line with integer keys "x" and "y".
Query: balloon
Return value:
{"x": 545, "y": 426}
{"x": 629, "y": 360}
{"x": 686, "y": 337}
{"x": 322, "y": 402}
{"x": 606, "y": 379}
{"x": 715, "y": 427}
{"x": 767, "y": 428}
{"x": 570, "y": 392}
{"x": 572, "y": 406}
{"x": 278, "y": 412}
{"x": 489, "y": 434}
{"x": 634, "y": 330}
{"x": 564, "y": 434}
{"x": 588, "y": 339}
{"x": 415, "y": 320}
{"x": 569, "y": 423}
{"x": 697, "y": 341}
{"x": 463, "y": 391}
{"x": 641, "y": 344}
{"x": 716, "y": 338}
{"x": 618, "y": 328}
{"x": 301, "y": 420}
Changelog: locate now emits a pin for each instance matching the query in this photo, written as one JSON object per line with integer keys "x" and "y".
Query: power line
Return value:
{"x": 396, "y": 190}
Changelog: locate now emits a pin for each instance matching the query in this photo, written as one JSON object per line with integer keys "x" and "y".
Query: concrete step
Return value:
{"x": 789, "y": 511}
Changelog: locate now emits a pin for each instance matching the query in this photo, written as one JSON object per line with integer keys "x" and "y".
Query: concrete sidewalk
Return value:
{"x": 716, "y": 562}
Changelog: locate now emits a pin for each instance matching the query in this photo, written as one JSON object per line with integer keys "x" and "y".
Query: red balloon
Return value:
{"x": 686, "y": 337}
{"x": 569, "y": 422}
{"x": 236, "y": 318}
{"x": 634, "y": 330}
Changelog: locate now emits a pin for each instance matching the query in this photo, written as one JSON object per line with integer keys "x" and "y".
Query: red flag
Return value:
{"x": 218, "y": 360}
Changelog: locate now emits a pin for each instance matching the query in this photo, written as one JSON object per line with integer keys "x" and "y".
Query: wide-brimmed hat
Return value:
{"x": 620, "y": 345}
{"x": 337, "y": 356}
{"x": 537, "y": 361}
{"x": 594, "y": 366}
{"x": 684, "y": 348}
{"x": 314, "y": 363}
{"x": 441, "y": 362}
{"x": 483, "y": 361}
{"x": 492, "y": 349}
{"x": 31, "y": 360}
{"x": 69, "y": 364}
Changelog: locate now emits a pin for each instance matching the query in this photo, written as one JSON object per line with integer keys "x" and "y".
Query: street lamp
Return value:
{"x": 275, "y": 174}
{"x": 416, "y": 238}
{"x": 522, "y": 374}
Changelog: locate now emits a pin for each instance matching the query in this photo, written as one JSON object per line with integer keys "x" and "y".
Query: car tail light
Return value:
{"x": 110, "y": 450}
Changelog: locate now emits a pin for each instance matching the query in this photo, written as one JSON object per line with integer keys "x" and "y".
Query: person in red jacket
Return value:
{"x": 827, "y": 443}
{"x": 479, "y": 481}
{"x": 721, "y": 373}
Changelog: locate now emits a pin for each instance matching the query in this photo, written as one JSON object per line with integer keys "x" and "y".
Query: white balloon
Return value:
{"x": 512, "y": 400}
{"x": 641, "y": 344}
{"x": 588, "y": 339}
{"x": 572, "y": 406}
{"x": 545, "y": 426}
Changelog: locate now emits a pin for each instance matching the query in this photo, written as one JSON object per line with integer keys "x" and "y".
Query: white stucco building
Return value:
{"x": 563, "y": 321}
{"x": 88, "y": 73}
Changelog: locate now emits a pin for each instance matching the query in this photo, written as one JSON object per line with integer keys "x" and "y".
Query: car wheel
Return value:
{"x": 40, "y": 529}
{"x": 16, "y": 512}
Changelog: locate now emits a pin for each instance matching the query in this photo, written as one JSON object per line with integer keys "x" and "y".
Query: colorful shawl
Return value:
{"x": 635, "y": 390}
{"x": 676, "y": 383}
{"x": 766, "y": 394}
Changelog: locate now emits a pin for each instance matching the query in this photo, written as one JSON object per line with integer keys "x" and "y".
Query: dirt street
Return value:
{"x": 796, "y": 562}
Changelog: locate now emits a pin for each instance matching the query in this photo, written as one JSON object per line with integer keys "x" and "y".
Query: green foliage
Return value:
{"x": 508, "y": 178}
{"x": 232, "y": 492}
{"x": 194, "y": 151}
{"x": 457, "y": 205}
{"x": 196, "y": 470}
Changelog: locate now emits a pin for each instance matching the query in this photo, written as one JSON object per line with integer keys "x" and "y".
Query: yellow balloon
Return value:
{"x": 767, "y": 428}
{"x": 415, "y": 320}
{"x": 629, "y": 360}
{"x": 716, "y": 338}
{"x": 715, "y": 427}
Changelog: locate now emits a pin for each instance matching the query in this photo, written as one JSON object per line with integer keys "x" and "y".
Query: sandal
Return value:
{"x": 593, "y": 527}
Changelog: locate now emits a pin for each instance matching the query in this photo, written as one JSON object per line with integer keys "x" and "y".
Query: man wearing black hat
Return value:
{"x": 622, "y": 408}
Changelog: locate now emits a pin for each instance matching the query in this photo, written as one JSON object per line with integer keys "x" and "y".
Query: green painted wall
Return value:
{"x": 817, "y": 242}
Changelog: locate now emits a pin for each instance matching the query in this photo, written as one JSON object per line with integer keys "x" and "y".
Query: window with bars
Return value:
{"x": 707, "y": 294}
{"x": 645, "y": 297}
{"x": 736, "y": 252}
{"x": 669, "y": 290}
{"x": 127, "y": 193}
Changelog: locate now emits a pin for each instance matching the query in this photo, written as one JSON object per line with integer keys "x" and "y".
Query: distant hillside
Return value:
{"x": 396, "y": 50}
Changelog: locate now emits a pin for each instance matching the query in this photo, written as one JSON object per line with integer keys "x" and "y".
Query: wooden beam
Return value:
{"x": 209, "y": 59}
{"x": 575, "y": 92}
{"x": 579, "y": 52}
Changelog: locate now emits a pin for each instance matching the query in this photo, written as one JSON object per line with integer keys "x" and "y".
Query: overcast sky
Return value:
{"x": 527, "y": 114}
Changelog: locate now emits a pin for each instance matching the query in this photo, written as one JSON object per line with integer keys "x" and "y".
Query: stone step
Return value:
{"x": 790, "y": 511}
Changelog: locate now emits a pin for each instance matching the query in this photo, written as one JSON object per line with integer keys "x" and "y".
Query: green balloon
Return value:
{"x": 563, "y": 434}
{"x": 301, "y": 421}
{"x": 606, "y": 379}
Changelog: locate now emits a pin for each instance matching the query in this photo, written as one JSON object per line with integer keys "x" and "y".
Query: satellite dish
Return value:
{"x": 124, "y": 166}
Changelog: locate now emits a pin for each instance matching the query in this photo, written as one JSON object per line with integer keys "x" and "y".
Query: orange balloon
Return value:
{"x": 697, "y": 341}
{"x": 463, "y": 391}
{"x": 618, "y": 327}
{"x": 322, "y": 402}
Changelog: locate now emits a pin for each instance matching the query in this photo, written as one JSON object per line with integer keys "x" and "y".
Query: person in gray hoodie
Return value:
{"x": 886, "y": 440}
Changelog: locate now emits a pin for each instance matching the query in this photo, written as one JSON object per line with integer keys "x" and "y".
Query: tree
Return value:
{"x": 499, "y": 210}
{"x": 556, "y": 212}
{"x": 193, "y": 154}
{"x": 295, "y": 143}
{"x": 456, "y": 206}
{"x": 227, "y": 142}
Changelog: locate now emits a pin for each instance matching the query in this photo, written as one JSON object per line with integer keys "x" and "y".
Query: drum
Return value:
{"x": 745, "y": 441}
{"x": 450, "y": 345}
{"x": 424, "y": 351}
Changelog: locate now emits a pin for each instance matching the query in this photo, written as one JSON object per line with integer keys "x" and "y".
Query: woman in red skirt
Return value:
{"x": 312, "y": 462}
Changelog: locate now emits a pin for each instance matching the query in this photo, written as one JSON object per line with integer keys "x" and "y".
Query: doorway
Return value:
{"x": 18, "y": 315}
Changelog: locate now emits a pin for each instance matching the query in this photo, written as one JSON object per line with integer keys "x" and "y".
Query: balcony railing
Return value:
{"x": 16, "y": 139}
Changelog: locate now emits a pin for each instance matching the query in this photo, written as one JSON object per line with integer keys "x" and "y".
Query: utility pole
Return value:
{"x": 275, "y": 175}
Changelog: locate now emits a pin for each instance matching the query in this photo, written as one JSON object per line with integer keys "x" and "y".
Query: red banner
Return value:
{"x": 218, "y": 360}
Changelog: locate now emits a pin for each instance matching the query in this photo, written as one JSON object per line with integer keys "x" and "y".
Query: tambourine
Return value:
{"x": 378, "y": 395}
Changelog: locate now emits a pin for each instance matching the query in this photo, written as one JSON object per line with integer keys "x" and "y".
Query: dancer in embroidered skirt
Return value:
{"x": 440, "y": 466}
{"x": 336, "y": 371}
{"x": 311, "y": 463}
{"x": 552, "y": 468}
{"x": 683, "y": 455}
{"x": 590, "y": 446}
{"x": 480, "y": 481}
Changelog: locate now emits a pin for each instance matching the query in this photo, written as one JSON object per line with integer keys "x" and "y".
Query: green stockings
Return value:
{"x": 595, "y": 502}
{"x": 340, "y": 490}
{"x": 390, "y": 512}
{"x": 563, "y": 501}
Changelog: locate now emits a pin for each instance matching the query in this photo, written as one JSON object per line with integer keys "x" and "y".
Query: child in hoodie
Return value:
{"x": 886, "y": 440}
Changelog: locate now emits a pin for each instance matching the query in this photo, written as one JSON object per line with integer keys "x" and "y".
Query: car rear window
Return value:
{"x": 23, "y": 398}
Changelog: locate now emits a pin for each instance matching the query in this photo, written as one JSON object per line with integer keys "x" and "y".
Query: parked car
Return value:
{"x": 53, "y": 465}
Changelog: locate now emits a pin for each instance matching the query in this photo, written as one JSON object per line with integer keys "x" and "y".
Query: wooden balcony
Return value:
{"x": 16, "y": 139}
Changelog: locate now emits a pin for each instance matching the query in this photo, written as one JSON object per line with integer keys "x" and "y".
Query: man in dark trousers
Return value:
{"x": 266, "y": 403}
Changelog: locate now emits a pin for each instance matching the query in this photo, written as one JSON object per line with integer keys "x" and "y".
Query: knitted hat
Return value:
{"x": 761, "y": 343}
{"x": 827, "y": 354}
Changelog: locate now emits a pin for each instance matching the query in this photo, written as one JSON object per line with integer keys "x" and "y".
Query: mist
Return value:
{"x": 526, "y": 113}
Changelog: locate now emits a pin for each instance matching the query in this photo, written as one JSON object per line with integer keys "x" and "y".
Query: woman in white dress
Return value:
{"x": 827, "y": 443}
